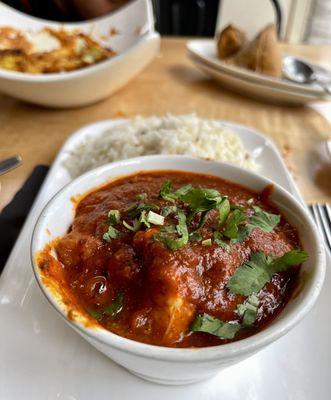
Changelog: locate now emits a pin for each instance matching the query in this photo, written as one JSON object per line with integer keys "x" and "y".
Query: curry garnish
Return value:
{"x": 180, "y": 259}
{"x": 111, "y": 310}
{"x": 251, "y": 276}
{"x": 248, "y": 310}
{"x": 208, "y": 324}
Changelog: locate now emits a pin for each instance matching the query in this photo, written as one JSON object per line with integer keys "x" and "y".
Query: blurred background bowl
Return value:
{"x": 129, "y": 32}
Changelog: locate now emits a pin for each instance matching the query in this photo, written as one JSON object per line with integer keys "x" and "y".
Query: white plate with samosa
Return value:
{"x": 253, "y": 62}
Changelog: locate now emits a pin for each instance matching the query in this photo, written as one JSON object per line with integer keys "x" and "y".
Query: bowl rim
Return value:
{"x": 80, "y": 72}
{"x": 69, "y": 23}
{"x": 231, "y": 350}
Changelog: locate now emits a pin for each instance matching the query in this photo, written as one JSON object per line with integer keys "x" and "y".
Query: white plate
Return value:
{"x": 205, "y": 49}
{"x": 253, "y": 89}
{"x": 205, "y": 52}
{"x": 135, "y": 42}
{"x": 42, "y": 358}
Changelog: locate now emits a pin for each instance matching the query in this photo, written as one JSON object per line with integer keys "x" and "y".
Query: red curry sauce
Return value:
{"x": 162, "y": 290}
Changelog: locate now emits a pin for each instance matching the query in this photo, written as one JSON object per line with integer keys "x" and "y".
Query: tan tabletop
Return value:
{"x": 172, "y": 84}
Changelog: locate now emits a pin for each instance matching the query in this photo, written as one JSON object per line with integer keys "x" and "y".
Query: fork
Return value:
{"x": 322, "y": 216}
{"x": 10, "y": 163}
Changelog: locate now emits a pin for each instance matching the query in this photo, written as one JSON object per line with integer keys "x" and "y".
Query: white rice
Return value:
{"x": 180, "y": 134}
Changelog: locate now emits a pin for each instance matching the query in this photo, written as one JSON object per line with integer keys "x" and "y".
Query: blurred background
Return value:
{"x": 298, "y": 21}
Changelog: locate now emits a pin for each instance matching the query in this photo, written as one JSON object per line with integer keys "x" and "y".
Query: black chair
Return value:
{"x": 194, "y": 17}
{"x": 186, "y": 17}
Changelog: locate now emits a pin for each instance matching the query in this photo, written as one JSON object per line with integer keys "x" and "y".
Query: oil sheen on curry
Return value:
{"x": 179, "y": 259}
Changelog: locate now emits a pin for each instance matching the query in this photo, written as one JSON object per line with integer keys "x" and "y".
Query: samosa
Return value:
{"x": 262, "y": 55}
{"x": 230, "y": 41}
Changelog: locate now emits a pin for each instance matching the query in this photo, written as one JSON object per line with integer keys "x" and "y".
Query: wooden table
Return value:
{"x": 172, "y": 84}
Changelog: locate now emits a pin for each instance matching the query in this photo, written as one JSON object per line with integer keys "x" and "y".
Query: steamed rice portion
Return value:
{"x": 187, "y": 134}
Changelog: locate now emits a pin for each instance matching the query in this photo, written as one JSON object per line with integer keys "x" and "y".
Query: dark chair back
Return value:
{"x": 194, "y": 17}
{"x": 186, "y": 17}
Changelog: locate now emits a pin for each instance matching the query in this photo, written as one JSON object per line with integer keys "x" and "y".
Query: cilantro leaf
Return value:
{"x": 195, "y": 236}
{"x": 217, "y": 236}
{"x": 214, "y": 326}
{"x": 200, "y": 199}
{"x": 248, "y": 310}
{"x": 231, "y": 229}
{"x": 183, "y": 190}
{"x": 203, "y": 219}
{"x": 166, "y": 191}
{"x": 251, "y": 276}
{"x": 168, "y": 228}
{"x": 263, "y": 220}
{"x": 181, "y": 227}
{"x": 242, "y": 234}
{"x": 223, "y": 210}
{"x": 293, "y": 257}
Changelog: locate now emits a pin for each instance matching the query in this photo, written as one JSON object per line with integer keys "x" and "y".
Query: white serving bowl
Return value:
{"x": 136, "y": 45}
{"x": 172, "y": 365}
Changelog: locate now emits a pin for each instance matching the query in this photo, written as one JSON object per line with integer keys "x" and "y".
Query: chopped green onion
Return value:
{"x": 115, "y": 307}
{"x": 143, "y": 219}
{"x": 94, "y": 313}
{"x": 114, "y": 217}
{"x": 206, "y": 242}
{"x": 154, "y": 218}
{"x": 141, "y": 196}
{"x": 134, "y": 227}
{"x": 111, "y": 233}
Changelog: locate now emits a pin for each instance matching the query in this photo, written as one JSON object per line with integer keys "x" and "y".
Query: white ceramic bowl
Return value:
{"x": 136, "y": 44}
{"x": 171, "y": 365}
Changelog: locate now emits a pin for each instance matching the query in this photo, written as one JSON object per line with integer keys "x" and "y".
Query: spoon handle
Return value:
{"x": 325, "y": 86}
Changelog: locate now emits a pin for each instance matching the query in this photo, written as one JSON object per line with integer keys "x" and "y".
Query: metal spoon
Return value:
{"x": 10, "y": 163}
{"x": 300, "y": 72}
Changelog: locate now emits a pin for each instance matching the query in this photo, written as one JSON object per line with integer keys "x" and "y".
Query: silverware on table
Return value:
{"x": 298, "y": 71}
{"x": 322, "y": 216}
{"x": 10, "y": 163}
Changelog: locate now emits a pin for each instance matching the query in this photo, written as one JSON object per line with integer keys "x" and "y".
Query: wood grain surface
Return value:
{"x": 172, "y": 84}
